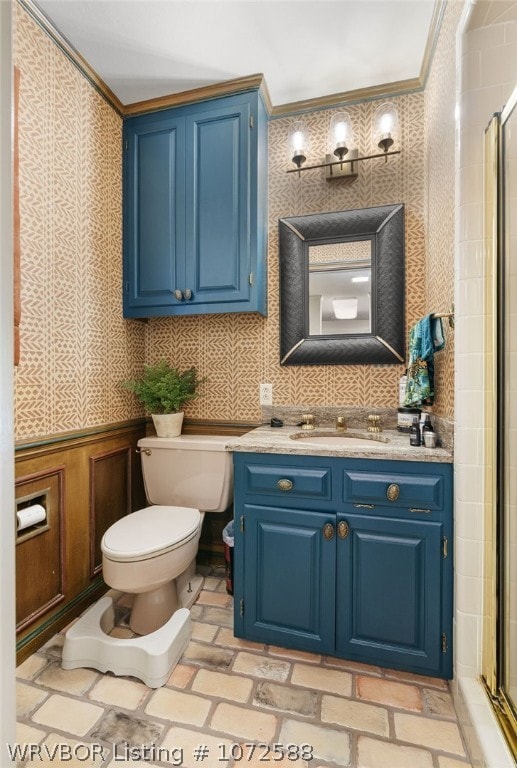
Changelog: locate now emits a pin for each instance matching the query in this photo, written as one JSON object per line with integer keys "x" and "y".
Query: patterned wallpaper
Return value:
{"x": 75, "y": 346}
{"x": 440, "y": 199}
{"x": 237, "y": 352}
{"x": 336, "y": 252}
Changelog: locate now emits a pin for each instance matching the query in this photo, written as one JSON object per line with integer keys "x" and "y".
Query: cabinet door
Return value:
{"x": 289, "y": 592}
{"x": 389, "y": 587}
{"x": 154, "y": 213}
{"x": 218, "y": 203}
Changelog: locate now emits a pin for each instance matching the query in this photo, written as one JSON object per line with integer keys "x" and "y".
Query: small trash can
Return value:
{"x": 228, "y": 539}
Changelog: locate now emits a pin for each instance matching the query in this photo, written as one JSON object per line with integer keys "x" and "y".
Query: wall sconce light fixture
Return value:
{"x": 385, "y": 124}
{"x": 341, "y": 143}
{"x": 342, "y": 158}
{"x": 298, "y": 143}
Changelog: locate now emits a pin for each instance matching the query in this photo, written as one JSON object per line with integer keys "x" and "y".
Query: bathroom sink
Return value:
{"x": 339, "y": 439}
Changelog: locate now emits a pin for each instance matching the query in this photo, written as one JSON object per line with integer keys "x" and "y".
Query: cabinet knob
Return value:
{"x": 343, "y": 529}
{"x": 285, "y": 485}
{"x": 178, "y": 294}
{"x": 328, "y": 531}
{"x": 393, "y": 492}
{"x": 188, "y": 294}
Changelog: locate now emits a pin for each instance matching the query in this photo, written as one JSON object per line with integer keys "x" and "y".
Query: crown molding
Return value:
{"x": 238, "y": 85}
{"x": 71, "y": 53}
{"x": 214, "y": 91}
{"x": 432, "y": 39}
{"x": 348, "y": 97}
{"x": 385, "y": 90}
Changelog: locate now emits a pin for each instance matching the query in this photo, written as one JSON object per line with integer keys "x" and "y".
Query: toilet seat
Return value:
{"x": 150, "y": 532}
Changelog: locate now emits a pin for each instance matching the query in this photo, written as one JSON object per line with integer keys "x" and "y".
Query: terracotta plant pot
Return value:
{"x": 168, "y": 424}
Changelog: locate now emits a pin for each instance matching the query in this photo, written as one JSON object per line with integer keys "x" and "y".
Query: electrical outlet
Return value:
{"x": 266, "y": 394}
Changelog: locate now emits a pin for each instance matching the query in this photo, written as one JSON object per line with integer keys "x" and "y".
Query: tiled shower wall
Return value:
{"x": 487, "y": 72}
{"x": 75, "y": 346}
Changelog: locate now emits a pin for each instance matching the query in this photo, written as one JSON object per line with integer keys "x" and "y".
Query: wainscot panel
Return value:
{"x": 85, "y": 481}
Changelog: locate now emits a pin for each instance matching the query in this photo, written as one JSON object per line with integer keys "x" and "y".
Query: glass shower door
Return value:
{"x": 508, "y": 420}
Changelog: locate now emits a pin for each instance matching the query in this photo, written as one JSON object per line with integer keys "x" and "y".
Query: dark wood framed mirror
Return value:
{"x": 342, "y": 287}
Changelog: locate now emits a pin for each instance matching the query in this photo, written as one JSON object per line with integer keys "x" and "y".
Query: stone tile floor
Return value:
{"x": 227, "y": 695}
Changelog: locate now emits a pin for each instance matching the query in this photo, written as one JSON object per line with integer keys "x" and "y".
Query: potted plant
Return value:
{"x": 163, "y": 390}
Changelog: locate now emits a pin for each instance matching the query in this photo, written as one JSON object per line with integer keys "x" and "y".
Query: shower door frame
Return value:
{"x": 495, "y": 597}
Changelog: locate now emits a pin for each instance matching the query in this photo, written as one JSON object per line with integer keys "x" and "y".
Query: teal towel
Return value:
{"x": 425, "y": 338}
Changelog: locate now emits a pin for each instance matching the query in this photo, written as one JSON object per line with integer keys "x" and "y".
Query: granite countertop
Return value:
{"x": 390, "y": 444}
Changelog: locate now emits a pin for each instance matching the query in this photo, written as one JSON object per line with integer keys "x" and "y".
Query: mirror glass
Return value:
{"x": 340, "y": 288}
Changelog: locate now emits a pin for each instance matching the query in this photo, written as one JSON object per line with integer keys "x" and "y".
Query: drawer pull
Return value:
{"x": 285, "y": 485}
{"x": 178, "y": 294}
{"x": 393, "y": 491}
{"x": 328, "y": 531}
{"x": 417, "y": 509}
{"x": 343, "y": 529}
{"x": 365, "y": 506}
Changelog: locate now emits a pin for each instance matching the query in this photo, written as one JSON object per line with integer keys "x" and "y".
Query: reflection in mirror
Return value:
{"x": 340, "y": 288}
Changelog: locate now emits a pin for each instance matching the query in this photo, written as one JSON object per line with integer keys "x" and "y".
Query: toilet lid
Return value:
{"x": 149, "y": 532}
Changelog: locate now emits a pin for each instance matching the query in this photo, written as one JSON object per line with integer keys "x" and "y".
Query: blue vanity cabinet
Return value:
{"x": 349, "y": 557}
{"x": 389, "y": 592}
{"x": 289, "y": 558}
{"x": 195, "y": 209}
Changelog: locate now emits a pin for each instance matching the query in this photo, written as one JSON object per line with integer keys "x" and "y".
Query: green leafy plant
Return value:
{"x": 164, "y": 389}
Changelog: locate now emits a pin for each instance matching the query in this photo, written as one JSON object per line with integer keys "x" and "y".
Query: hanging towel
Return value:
{"x": 425, "y": 338}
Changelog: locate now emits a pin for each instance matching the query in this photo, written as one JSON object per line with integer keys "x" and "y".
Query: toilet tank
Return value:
{"x": 188, "y": 471}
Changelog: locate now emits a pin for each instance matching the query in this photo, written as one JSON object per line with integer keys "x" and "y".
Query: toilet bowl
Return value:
{"x": 151, "y": 553}
{"x": 144, "y": 553}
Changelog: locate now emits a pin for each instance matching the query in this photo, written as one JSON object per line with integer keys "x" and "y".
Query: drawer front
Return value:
{"x": 419, "y": 492}
{"x": 288, "y": 481}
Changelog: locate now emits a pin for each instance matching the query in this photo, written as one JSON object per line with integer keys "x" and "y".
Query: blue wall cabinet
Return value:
{"x": 195, "y": 207}
{"x": 349, "y": 557}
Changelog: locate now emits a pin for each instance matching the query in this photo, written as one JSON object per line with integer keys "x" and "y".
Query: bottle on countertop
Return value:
{"x": 427, "y": 426}
{"x": 428, "y": 434}
{"x": 414, "y": 433}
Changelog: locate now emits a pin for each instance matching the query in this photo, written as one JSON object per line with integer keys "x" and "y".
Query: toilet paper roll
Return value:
{"x": 30, "y": 516}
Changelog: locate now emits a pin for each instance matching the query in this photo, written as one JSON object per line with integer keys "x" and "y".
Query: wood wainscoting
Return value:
{"x": 85, "y": 481}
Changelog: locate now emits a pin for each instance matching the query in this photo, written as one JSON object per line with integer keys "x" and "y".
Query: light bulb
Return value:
{"x": 386, "y": 123}
{"x": 341, "y": 136}
{"x": 385, "y": 126}
{"x": 298, "y": 143}
{"x": 340, "y": 132}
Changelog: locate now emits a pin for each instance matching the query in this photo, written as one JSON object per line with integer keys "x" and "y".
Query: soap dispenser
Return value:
{"x": 427, "y": 426}
{"x": 414, "y": 433}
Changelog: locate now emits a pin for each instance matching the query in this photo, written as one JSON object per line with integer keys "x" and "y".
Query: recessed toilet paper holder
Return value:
{"x": 32, "y": 515}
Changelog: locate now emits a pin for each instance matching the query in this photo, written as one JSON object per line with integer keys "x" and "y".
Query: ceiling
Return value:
{"x": 306, "y": 49}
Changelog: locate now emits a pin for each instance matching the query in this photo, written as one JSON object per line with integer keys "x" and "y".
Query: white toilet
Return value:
{"x": 152, "y": 553}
